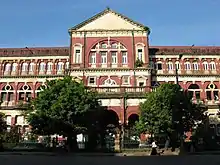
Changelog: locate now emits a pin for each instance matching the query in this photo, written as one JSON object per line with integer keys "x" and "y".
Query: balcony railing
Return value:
{"x": 119, "y": 90}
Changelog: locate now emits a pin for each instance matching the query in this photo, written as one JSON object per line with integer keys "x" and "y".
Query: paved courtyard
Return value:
{"x": 108, "y": 160}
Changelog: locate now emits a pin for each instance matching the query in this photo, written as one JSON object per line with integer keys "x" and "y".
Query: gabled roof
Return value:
{"x": 106, "y": 11}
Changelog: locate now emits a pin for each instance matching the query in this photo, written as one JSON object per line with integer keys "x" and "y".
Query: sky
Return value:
{"x": 43, "y": 23}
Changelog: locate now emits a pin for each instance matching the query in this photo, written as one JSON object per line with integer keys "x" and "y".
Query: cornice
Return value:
{"x": 32, "y": 76}
{"x": 187, "y": 75}
{"x": 108, "y": 69}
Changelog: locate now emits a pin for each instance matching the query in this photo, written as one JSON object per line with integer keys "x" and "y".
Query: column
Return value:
{"x": 33, "y": 89}
{"x": 16, "y": 93}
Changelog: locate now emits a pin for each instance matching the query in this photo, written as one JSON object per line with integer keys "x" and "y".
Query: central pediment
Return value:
{"x": 109, "y": 20}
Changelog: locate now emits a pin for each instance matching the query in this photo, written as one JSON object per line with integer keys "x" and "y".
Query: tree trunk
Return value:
{"x": 72, "y": 143}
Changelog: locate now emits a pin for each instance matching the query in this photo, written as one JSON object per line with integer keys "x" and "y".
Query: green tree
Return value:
{"x": 3, "y": 128}
{"x": 169, "y": 108}
{"x": 64, "y": 107}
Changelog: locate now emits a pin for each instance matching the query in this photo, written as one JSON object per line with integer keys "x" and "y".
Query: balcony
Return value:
{"x": 120, "y": 91}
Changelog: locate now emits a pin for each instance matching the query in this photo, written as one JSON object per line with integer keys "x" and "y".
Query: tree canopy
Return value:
{"x": 169, "y": 108}
{"x": 64, "y": 107}
{"x": 3, "y": 125}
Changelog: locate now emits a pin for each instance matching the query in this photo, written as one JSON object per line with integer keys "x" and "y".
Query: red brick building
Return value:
{"x": 110, "y": 53}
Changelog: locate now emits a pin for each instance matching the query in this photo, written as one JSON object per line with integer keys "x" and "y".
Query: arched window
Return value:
{"x": 212, "y": 65}
{"x": 195, "y": 66}
{"x": 14, "y": 67}
{"x": 59, "y": 66}
{"x": 49, "y": 66}
{"x": 24, "y": 93}
{"x": 212, "y": 92}
{"x": 177, "y": 64}
{"x": 7, "y": 95}
{"x": 24, "y": 67}
{"x": 194, "y": 91}
{"x": 42, "y": 67}
{"x": 31, "y": 67}
{"x": 67, "y": 65}
{"x": 77, "y": 53}
{"x": 205, "y": 65}
{"x": 110, "y": 48}
{"x": 187, "y": 66}
{"x": 140, "y": 51}
{"x": 8, "y": 67}
{"x": 169, "y": 65}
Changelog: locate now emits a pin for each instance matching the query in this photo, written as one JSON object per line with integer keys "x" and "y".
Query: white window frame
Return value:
{"x": 78, "y": 55}
{"x": 169, "y": 66}
{"x": 114, "y": 57}
{"x": 212, "y": 66}
{"x": 195, "y": 66}
{"x": 187, "y": 66}
{"x": 140, "y": 54}
{"x": 92, "y": 59}
{"x": 104, "y": 46}
{"x": 89, "y": 78}
{"x": 8, "y": 67}
{"x": 103, "y": 57}
{"x": 59, "y": 66}
{"x": 124, "y": 57}
{"x": 156, "y": 65}
{"x": 49, "y": 66}
{"x": 42, "y": 67}
{"x": 114, "y": 46}
{"x": 24, "y": 67}
{"x": 31, "y": 67}
{"x": 14, "y": 67}
{"x": 67, "y": 65}
{"x": 177, "y": 66}
{"x": 205, "y": 65}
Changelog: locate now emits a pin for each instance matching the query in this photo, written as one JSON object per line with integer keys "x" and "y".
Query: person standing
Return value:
{"x": 154, "y": 148}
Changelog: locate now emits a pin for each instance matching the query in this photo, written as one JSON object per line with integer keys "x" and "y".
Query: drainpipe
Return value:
{"x": 133, "y": 52}
{"x": 84, "y": 58}
{"x": 67, "y": 71}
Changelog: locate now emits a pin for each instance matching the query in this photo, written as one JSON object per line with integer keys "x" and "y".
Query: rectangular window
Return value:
{"x": 3, "y": 96}
{"x": 93, "y": 58}
{"x": 92, "y": 81}
{"x": 140, "y": 53}
{"x": 124, "y": 58}
{"x": 104, "y": 57}
{"x": 159, "y": 66}
{"x": 10, "y": 96}
{"x": 77, "y": 56}
{"x": 114, "y": 57}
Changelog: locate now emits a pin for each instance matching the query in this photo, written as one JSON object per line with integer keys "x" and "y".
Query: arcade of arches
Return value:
{"x": 210, "y": 93}
{"x": 112, "y": 120}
